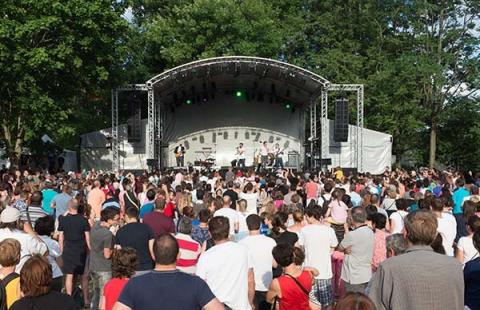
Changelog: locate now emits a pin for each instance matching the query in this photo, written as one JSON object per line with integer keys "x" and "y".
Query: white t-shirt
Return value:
{"x": 260, "y": 248}
{"x": 53, "y": 253}
{"x": 398, "y": 219}
{"x": 465, "y": 244}
{"x": 225, "y": 269}
{"x": 242, "y": 222}
{"x": 447, "y": 227}
{"x": 251, "y": 199}
{"x": 318, "y": 241}
{"x": 241, "y": 152}
{"x": 232, "y": 216}
{"x": 29, "y": 245}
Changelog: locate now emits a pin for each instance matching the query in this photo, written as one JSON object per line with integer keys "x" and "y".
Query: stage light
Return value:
{"x": 288, "y": 106}
{"x": 238, "y": 94}
{"x": 189, "y": 101}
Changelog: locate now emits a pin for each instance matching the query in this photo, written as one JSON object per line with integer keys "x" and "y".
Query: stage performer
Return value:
{"x": 241, "y": 156}
{"x": 278, "y": 156}
{"x": 264, "y": 154}
{"x": 180, "y": 155}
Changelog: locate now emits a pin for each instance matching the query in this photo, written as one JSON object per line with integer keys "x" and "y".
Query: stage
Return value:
{"x": 212, "y": 105}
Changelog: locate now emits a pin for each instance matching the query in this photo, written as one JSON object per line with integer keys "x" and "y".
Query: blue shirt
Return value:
{"x": 458, "y": 197}
{"x": 166, "y": 290}
{"x": 48, "y": 195}
{"x": 146, "y": 208}
{"x": 471, "y": 274}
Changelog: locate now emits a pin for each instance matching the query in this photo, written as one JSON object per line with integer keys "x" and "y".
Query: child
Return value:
{"x": 124, "y": 263}
{"x": 9, "y": 258}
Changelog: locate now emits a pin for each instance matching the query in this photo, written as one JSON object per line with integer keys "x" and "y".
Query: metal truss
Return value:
{"x": 115, "y": 125}
{"x": 357, "y": 141}
{"x": 295, "y": 70}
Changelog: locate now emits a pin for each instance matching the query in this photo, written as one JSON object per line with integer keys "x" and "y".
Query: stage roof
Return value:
{"x": 257, "y": 78}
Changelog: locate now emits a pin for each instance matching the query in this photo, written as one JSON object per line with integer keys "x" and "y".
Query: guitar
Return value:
{"x": 179, "y": 153}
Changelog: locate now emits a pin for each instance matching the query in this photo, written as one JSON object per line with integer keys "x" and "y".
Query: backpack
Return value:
{"x": 3, "y": 289}
{"x": 325, "y": 204}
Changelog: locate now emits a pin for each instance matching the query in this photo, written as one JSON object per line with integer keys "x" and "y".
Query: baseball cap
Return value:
{"x": 9, "y": 215}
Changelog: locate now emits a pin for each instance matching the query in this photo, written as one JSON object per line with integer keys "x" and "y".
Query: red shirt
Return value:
{"x": 112, "y": 291}
{"x": 169, "y": 209}
{"x": 293, "y": 297}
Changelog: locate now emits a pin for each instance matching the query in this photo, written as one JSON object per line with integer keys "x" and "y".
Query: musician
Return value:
{"x": 180, "y": 155}
{"x": 241, "y": 156}
{"x": 264, "y": 154}
{"x": 278, "y": 156}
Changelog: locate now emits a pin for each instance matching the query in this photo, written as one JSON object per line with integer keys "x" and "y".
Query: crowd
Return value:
{"x": 240, "y": 239}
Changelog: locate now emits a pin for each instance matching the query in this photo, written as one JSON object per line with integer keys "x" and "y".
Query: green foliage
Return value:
{"x": 55, "y": 57}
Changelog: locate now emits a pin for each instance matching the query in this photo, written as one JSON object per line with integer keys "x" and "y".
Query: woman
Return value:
{"x": 242, "y": 220}
{"x": 465, "y": 249}
{"x": 279, "y": 230}
{"x": 124, "y": 263}
{"x": 292, "y": 289}
{"x": 35, "y": 286}
{"x": 380, "y": 250}
{"x": 297, "y": 216}
{"x": 397, "y": 218}
{"x": 338, "y": 213}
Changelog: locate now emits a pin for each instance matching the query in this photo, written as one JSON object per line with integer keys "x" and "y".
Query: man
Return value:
{"x": 34, "y": 211}
{"x": 60, "y": 201}
{"x": 241, "y": 156}
{"x": 30, "y": 245}
{"x": 138, "y": 236}
{"x": 48, "y": 193}
{"x": 179, "y": 154}
{"x": 231, "y": 214}
{"x": 355, "y": 198}
{"x": 158, "y": 221}
{"x": 264, "y": 155}
{"x": 189, "y": 249}
{"x": 232, "y": 194}
{"x": 311, "y": 189}
{"x": 149, "y": 205}
{"x": 95, "y": 199}
{"x": 358, "y": 248}
{"x": 227, "y": 268}
{"x": 112, "y": 200}
{"x": 166, "y": 287}
{"x": 251, "y": 197}
{"x": 260, "y": 248}
{"x": 396, "y": 245}
{"x": 278, "y": 156}
{"x": 446, "y": 223}
{"x": 101, "y": 241}
{"x": 458, "y": 196}
{"x": 318, "y": 241}
{"x": 229, "y": 175}
{"x": 420, "y": 278}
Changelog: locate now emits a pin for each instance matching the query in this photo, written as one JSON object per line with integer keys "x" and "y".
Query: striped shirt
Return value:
{"x": 35, "y": 212}
{"x": 189, "y": 253}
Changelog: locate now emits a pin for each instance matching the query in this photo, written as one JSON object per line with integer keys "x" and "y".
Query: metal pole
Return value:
{"x": 115, "y": 142}
{"x": 150, "y": 146}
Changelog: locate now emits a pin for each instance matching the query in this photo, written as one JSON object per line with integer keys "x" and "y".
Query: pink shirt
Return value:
{"x": 380, "y": 249}
{"x": 95, "y": 199}
{"x": 311, "y": 188}
{"x": 339, "y": 211}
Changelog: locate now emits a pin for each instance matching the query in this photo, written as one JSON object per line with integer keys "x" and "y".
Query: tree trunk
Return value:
{"x": 433, "y": 144}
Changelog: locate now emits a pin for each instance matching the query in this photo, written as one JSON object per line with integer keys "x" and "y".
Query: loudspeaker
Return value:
{"x": 340, "y": 133}
{"x": 293, "y": 159}
{"x": 134, "y": 122}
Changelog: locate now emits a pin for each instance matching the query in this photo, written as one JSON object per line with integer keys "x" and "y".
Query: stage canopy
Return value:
{"x": 213, "y": 104}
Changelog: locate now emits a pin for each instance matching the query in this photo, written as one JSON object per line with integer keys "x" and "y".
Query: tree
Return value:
{"x": 208, "y": 28}
{"x": 55, "y": 56}
{"x": 446, "y": 46}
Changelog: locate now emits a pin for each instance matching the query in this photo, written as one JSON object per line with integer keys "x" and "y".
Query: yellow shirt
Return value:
{"x": 12, "y": 291}
{"x": 338, "y": 174}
